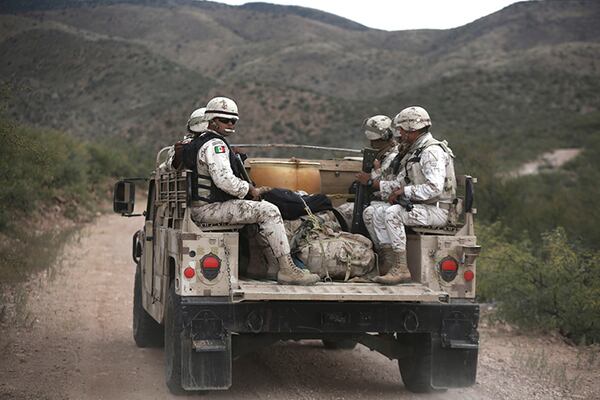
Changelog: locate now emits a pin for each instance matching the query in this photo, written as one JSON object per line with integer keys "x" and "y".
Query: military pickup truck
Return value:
{"x": 191, "y": 292}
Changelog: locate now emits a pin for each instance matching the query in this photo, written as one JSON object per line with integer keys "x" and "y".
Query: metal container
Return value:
{"x": 290, "y": 174}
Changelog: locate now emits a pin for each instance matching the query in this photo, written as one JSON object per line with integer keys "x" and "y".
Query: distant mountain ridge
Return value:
{"x": 305, "y": 12}
{"x": 16, "y": 6}
{"x": 137, "y": 68}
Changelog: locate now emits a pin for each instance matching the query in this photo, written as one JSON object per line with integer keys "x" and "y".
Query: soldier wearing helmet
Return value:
{"x": 377, "y": 130}
{"x": 425, "y": 178}
{"x": 226, "y": 197}
{"x": 195, "y": 125}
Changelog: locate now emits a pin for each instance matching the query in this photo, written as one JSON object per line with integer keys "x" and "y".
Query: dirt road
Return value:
{"x": 75, "y": 342}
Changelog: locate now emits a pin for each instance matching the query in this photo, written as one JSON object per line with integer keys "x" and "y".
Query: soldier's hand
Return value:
{"x": 254, "y": 193}
{"x": 395, "y": 194}
{"x": 376, "y": 164}
{"x": 264, "y": 189}
{"x": 363, "y": 177}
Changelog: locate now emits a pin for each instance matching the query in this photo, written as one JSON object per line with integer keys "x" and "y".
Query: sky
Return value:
{"x": 394, "y": 15}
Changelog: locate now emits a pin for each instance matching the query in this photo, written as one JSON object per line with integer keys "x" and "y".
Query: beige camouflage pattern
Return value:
{"x": 331, "y": 253}
{"x": 412, "y": 119}
{"x": 197, "y": 123}
{"x": 213, "y": 161}
{"x": 346, "y": 210}
{"x": 167, "y": 165}
{"x": 378, "y": 127}
{"x": 221, "y": 107}
{"x": 432, "y": 179}
{"x": 233, "y": 212}
{"x": 383, "y": 172}
{"x": 385, "y": 222}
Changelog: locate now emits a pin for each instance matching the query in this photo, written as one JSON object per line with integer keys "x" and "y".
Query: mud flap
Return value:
{"x": 454, "y": 354}
{"x": 206, "y": 355}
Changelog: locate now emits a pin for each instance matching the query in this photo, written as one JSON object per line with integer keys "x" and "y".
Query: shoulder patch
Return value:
{"x": 219, "y": 149}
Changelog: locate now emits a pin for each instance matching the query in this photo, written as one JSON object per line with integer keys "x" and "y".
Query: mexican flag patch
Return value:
{"x": 219, "y": 149}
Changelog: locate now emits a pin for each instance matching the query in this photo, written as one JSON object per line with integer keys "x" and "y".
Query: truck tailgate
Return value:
{"x": 335, "y": 291}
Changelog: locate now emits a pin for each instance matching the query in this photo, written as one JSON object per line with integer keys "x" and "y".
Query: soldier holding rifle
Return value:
{"x": 378, "y": 131}
{"x": 425, "y": 187}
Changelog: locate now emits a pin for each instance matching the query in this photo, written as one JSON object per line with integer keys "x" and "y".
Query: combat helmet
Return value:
{"x": 412, "y": 119}
{"x": 196, "y": 122}
{"x": 378, "y": 127}
{"x": 221, "y": 107}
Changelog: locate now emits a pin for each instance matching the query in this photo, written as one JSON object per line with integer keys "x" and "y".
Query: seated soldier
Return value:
{"x": 425, "y": 178}
{"x": 377, "y": 130}
{"x": 195, "y": 125}
{"x": 228, "y": 198}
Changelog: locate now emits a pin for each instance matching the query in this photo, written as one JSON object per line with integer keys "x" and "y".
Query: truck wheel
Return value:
{"x": 146, "y": 331}
{"x": 342, "y": 344}
{"x": 173, "y": 328}
{"x": 415, "y": 366}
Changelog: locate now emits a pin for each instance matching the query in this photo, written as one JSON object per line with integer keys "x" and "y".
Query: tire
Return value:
{"x": 340, "y": 344}
{"x": 173, "y": 328}
{"x": 416, "y": 367}
{"x": 146, "y": 331}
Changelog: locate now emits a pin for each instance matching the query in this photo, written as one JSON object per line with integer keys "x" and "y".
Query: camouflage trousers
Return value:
{"x": 346, "y": 209}
{"x": 263, "y": 213}
{"x": 385, "y": 222}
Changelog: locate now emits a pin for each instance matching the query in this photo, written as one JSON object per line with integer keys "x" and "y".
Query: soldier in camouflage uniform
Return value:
{"x": 195, "y": 125}
{"x": 230, "y": 199}
{"x": 378, "y": 130}
{"x": 426, "y": 178}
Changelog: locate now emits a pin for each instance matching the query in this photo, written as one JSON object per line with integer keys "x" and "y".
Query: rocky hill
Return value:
{"x": 516, "y": 80}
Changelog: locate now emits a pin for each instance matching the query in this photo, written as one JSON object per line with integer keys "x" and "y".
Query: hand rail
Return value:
{"x": 296, "y": 146}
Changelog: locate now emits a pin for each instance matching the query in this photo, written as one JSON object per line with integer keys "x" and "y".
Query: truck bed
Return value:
{"x": 250, "y": 289}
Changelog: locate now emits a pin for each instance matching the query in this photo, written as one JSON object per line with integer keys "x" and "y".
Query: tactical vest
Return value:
{"x": 203, "y": 187}
{"x": 386, "y": 172}
{"x": 413, "y": 174}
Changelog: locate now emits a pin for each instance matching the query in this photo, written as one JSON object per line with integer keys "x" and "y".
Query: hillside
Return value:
{"x": 137, "y": 68}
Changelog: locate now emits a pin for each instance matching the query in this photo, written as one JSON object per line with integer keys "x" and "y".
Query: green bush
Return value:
{"x": 555, "y": 285}
{"x": 38, "y": 165}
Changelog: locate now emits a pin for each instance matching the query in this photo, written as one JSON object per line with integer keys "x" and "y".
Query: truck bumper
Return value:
{"x": 456, "y": 323}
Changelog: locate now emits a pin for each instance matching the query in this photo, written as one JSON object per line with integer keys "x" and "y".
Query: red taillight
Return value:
{"x": 211, "y": 262}
{"x": 469, "y": 275}
{"x": 449, "y": 264}
{"x": 189, "y": 272}
{"x": 448, "y": 268}
{"x": 210, "y": 266}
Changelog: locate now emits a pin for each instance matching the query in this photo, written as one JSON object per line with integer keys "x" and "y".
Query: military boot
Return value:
{"x": 272, "y": 264}
{"x": 398, "y": 273}
{"x": 387, "y": 259}
{"x": 290, "y": 274}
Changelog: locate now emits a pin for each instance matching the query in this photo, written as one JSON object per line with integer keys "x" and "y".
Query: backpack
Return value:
{"x": 331, "y": 253}
{"x": 293, "y": 206}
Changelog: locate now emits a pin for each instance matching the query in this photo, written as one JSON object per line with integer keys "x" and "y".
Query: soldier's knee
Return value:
{"x": 368, "y": 214}
{"x": 269, "y": 211}
{"x": 392, "y": 214}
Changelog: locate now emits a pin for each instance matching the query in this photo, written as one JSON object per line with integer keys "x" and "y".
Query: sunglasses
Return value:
{"x": 226, "y": 120}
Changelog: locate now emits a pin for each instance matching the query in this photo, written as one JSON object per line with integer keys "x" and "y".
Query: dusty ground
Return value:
{"x": 546, "y": 162}
{"x": 73, "y": 341}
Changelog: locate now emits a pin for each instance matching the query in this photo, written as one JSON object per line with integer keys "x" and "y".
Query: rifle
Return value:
{"x": 363, "y": 194}
{"x": 242, "y": 168}
{"x": 404, "y": 202}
